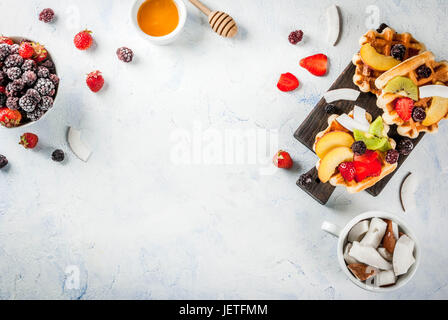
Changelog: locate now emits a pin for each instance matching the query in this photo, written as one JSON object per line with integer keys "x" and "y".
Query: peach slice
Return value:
{"x": 333, "y": 140}
{"x": 436, "y": 111}
{"x": 331, "y": 161}
{"x": 377, "y": 60}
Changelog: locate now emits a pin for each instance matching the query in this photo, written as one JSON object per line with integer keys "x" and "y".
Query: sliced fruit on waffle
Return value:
{"x": 381, "y": 52}
{"x": 404, "y": 93}
{"x": 353, "y": 158}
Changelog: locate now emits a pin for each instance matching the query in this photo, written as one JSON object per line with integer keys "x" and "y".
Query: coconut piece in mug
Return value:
{"x": 348, "y": 259}
{"x": 369, "y": 256}
{"x": 403, "y": 257}
{"x": 389, "y": 239}
{"x": 362, "y": 271}
{"x": 358, "y": 231}
{"x": 376, "y": 232}
{"x": 386, "y": 278}
{"x": 385, "y": 254}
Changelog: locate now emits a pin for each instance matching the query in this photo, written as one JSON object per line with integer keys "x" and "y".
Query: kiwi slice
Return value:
{"x": 402, "y": 86}
{"x": 377, "y": 127}
{"x": 372, "y": 142}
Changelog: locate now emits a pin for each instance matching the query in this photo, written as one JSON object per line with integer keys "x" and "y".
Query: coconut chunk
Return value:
{"x": 403, "y": 257}
{"x": 386, "y": 278}
{"x": 369, "y": 256}
{"x": 350, "y": 124}
{"x": 385, "y": 254}
{"x": 333, "y": 24}
{"x": 362, "y": 271}
{"x": 360, "y": 115}
{"x": 348, "y": 259}
{"x": 376, "y": 232}
{"x": 389, "y": 239}
{"x": 358, "y": 231}
{"x": 78, "y": 147}
{"x": 434, "y": 90}
{"x": 341, "y": 94}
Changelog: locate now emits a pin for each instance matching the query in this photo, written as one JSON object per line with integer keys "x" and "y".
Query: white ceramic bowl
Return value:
{"x": 17, "y": 39}
{"x": 163, "y": 40}
{"x": 343, "y": 232}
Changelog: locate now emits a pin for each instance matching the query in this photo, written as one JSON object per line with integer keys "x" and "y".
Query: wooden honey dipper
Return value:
{"x": 221, "y": 22}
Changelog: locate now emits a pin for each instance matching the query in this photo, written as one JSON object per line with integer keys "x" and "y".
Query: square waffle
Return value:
{"x": 365, "y": 76}
{"x": 439, "y": 75}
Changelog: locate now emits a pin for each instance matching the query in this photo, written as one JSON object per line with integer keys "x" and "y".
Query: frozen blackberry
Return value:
{"x": 398, "y": 51}
{"x": 58, "y": 155}
{"x": 42, "y": 72}
{"x": 15, "y": 48}
{"x": 44, "y": 86}
{"x": 10, "y": 92}
{"x": 359, "y": 148}
{"x": 29, "y": 65}
{"x": 33, "y": 93}
{"x": 46, "y": 15}
{"x": 47, "y": 103}
{"x": 306, "y": 180}
{"x": 12, "y": 103}
{"x": 14, "y": 73}
{"x": 418, "y": 114}
{"x": 27, "y": 103}
{"x": 3, "y": 78}
{"x": 392, "y": 156}
{"x": 13, "y": 60}
{"x": 382, "y": 27}
{"x": 295, "y": 37}
{"x": 55, "y": 79}
{"x": 125, "y": 54}
{"x": 423, "y": 71}
{"x": 35, "y": 115}
{"x": 5, "y": 51}
{"x": 3, "y": 161}
{"x": 17, "y": 85}
{"x": 331, "y": 109}
{"x": 405, "y": 146}
{"x": 29, "y": 77}
{"x": 2, "y": 99}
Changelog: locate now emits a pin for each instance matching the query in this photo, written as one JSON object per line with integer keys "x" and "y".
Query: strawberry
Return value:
{"x": 347, "y": 170}
{"x": 83, "y": 40}
{"x": 287, "y": 82}
{"x": 368, "y": 157}
{"x": 365, "y": 170}
{"x": 40, "y": 53}
{"x": 316, "y": 64}
{"x": 282, "y": 159}
{"x": 28, "y": 140}
{"x": 95, "y": 81}
{"x": 404, "y": 107}
{"x": 26, "y": 50}
{"x": 10, "y": 118}
{"x": 6, "y": 40}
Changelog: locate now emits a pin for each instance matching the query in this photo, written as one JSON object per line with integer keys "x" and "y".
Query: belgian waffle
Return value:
{"x": 365, "y": 76}
{"x": 439, "y": 75}
{"x": 353, "y": 186}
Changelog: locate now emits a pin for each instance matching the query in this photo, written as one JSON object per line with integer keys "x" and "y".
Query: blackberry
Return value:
{"x": 306, "y": 180}
{"x": 382, "y": 27}
{"x": 29, "y": 77}
{"x": 392, "y": 156}
{"x": 17, "y": 85}
{"x": 14, "y": 73}
{"x": 125, "y": 54}
{"x": 47, "y": 103}
{"x": 3, "y": 78}
{"x": 34, "y": 94}
{"x": 35, "y": 115}
{"x": 405, "y": 146}
{"x": 295, "y": 37}
{"x": 423, "y": 71}
{"x": 42, "y": 72}
{"x": 398, "y": 51}
{"x": 15, "y": 48}
{"x": 331, "y": 109}
{"x": 10, "y": 92}
{"x": 5, "y": 51}
{"x": 29, "y": 65}
{"x": 49, "y": 65}
{"x": 418, "y": 114}
{"x": 2, "y": 99}
{"x": 47, "y": 15}
{"x": 55, "y": 79}
{"x": 12, "y": 103}
{"x": 27, "y": 103}
{"x": 13, "y": 60}
{"x": 359, "y": 147}
{"x": 44, "y": 86}
{"x": 3, "y": 161}
{"x": 58, "y": 155}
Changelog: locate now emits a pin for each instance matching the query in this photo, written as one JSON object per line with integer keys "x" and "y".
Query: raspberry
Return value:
{"x": 382, "y": 27}
{"x": 13, "y": 60}
{"x": 392, "y": 156}
{"x": 398, "y": 51}
{"x": 34, "y": 94}
{"x": 125, "y": 54}
{"x": 405, "y": 146}
{"x": 29, "y": 77}
{"x": 44, "y": 86}
{"x": 418, "y": 114}
{"x": 331, "y": 109}
{"x": 347, "y": 170}
{"x": 12, "y": 103}
{"x": 3, "y": 161}
{"x": 42, "y": 72}
{"x": 295, "y": 37}
{"x": 359, "y": 148}
{"x": 423, "y": 71}
{"x": 14, "y": 73}
{"x": 46, "y": 15}
{"x": 35, "y": 115}
{"x": 29, "y": 65}
{"x": 58, "y": 155}
{"x": 55, "y": 79}
{"x": 47, "y": 103}
{"x": 306, "y": 180}
{"x": 5, "y": 51}
{"x": 27, "y": 103}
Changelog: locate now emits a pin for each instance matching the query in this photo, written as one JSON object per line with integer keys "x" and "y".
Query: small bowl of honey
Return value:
{"x": 159, "y": 21}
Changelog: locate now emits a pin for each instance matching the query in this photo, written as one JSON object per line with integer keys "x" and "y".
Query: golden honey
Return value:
{"x": 158, "y": 18}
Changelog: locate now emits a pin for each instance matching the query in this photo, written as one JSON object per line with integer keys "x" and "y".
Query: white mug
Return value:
{"x": 343, "y": 232}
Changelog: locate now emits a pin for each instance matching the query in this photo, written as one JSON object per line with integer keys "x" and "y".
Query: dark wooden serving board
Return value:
{"x": 316, "y": 121}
